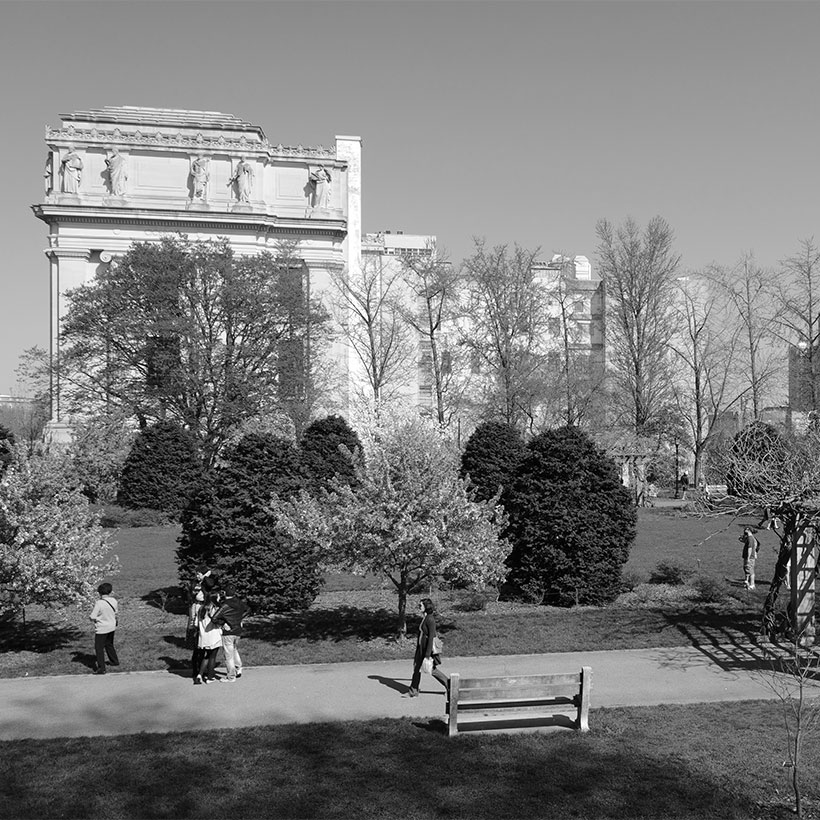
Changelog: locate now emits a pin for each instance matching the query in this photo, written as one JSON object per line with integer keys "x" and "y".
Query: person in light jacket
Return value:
{"x": 104, "y": 616}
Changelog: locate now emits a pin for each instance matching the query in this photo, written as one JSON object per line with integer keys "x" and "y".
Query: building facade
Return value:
{"x": 118, "y": 175}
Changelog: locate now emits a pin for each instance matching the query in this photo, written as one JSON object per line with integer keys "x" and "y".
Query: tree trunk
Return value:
{"x": 402, "y": 590}
{"x": 778, "y": 577}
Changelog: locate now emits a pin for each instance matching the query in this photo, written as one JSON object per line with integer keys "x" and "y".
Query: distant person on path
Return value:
{"x": 751, "y": 547}
{"x": 426, "y": 645}
{"x": 210, "y": 635}
{"x": 104, "y": 617}
{"x": 229, "y": 618}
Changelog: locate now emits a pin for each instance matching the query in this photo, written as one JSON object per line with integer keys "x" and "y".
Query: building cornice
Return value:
{"x": 182, "y": 221}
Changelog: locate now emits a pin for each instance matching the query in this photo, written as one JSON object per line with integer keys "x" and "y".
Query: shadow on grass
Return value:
{"x": 731, "y": 640}
{"x": 86, "y": 659}
{"x": 335, "y": 624}
{"x": 167, "y": 599}
{"x": 36, "y": 636}
{"x": 177, "y": 666}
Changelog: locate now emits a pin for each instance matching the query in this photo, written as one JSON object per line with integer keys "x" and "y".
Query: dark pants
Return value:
{"x": 437, "y": 674}
{"x": 196, "y": 660}
{"x": 104, "y": 645}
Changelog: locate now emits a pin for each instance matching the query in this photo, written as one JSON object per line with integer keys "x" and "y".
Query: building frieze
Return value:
{"x": 187, "y": 142}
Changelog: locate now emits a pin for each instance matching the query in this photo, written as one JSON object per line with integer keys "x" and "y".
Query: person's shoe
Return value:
{"x": 99, "y": 672}
{"x": 238, "y": 674}
{"x": 111, "y": 663}
{"x": 227, "y": 680}
{"x": 411, "y": 693}
{"x": 197, "y": 681}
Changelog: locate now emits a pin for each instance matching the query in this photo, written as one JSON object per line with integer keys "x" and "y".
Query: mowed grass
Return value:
{"x": 704, "y": 761}
{"x": 355, "y": 618}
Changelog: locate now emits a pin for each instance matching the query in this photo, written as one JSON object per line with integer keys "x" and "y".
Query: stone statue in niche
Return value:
{"x": 117, "y": 172}
{"x": 72, "y": 166}
{"x": 320, "y": 180}
{"x": 47, "y": 173}
{"x": 201, "y": 176}
{"x": 243, "y": 177}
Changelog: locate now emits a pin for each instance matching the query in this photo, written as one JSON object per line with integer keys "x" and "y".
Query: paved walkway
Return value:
{"x": 129, "y": 702}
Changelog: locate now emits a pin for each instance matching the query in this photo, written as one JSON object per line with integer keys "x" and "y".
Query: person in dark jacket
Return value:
{"x": 426, "y": 647}
{"x": 229, "y": 617}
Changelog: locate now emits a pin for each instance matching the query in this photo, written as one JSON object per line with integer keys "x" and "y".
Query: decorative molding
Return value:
{"x": 186, "y": 142}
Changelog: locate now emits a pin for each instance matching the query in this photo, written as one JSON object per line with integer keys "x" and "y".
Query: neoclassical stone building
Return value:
{"x": 120, "y": 174}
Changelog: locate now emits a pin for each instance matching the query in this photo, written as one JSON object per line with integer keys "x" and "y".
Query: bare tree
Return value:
{"x": 798, "y": 321}
{"x": 370, "y": 314}
{"x": 505, "y": 327}
{"x": 752, "y": 304}
{"x": 581, "y": 380}
{"x": 433, "y": 284}
{"x": 706, "y": 347}
{"x": 639, "y": 271}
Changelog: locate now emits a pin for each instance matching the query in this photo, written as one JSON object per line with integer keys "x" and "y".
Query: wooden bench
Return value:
{"x": 523, "y": 700}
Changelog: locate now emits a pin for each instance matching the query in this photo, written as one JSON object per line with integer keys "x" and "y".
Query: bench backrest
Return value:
{"x": 520, "y": 687}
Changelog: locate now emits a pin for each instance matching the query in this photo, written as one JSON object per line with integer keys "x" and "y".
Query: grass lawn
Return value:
{"x": 354, "y": 618}
{"x": 704, "y": 761}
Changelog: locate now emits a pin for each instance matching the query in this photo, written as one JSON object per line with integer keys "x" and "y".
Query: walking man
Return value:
{"x": 229, "y": 617}
{"x": 104, "y": 617}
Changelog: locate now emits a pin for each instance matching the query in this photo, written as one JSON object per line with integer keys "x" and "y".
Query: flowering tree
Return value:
{"x": 51, "y": 545}
{"x": 409, "y": 519}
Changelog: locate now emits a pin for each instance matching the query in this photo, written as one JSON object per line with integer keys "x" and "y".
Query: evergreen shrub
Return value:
{"x": 230, "y": 527}
{"x": 323, "y": 447}
{"x": 162, "y": 470}
{"x": 490, "y": 458}
{"x": 571, "y": 521}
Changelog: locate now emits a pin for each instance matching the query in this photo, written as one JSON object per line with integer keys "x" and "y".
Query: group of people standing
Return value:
{"x": 215, "y": 621}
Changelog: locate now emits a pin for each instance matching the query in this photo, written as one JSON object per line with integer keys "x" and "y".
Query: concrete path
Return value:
{"x": 124, "y": 703}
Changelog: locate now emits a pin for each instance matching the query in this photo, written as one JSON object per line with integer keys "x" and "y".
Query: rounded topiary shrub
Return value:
{"x": 490, "y": 458}
{"x": 327, "y": 446}
{"x": 230, "y": 526}
{"x": 162, "y": 469}
{"x": 571, "y": 521}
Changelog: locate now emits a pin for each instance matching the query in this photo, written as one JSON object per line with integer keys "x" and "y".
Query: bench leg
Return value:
{"x": 452, "y": 705}
{"x": 583, "y": 705}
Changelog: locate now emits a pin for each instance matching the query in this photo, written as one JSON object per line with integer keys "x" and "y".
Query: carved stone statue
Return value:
{"x": 48, "y": 181}
{"x": 320, "y": 180}
{"x": 72, "y": 166}
{"x": 243, "y": 177}
{"x": 201, "y": 175}
{"x": 117, "y": 172}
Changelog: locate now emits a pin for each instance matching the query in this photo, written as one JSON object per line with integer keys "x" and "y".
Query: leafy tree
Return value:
{"x": 231, "y": 525}
{"x": 99, "y": 449}
{"x": 51, "y": 545}
{"x": 410, "y": 519}
{"x": 571, "y": 521}
{"x": 639, "y": 269}
{"x": 328, "y": 446}
{"x": 6, "y": 448}
{"x": 490, "y": 458}
{"x": 186, "y": 330}
{"x": 162, "y": 470}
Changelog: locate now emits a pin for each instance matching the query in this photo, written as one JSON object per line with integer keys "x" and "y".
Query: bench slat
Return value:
{"x": 565, "y": 679}
{"x": 520, "y": 692}
{"x": 514, "y": 704}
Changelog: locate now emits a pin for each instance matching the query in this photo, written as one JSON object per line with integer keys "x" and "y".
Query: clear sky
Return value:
{"x": 518, "y": 122}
